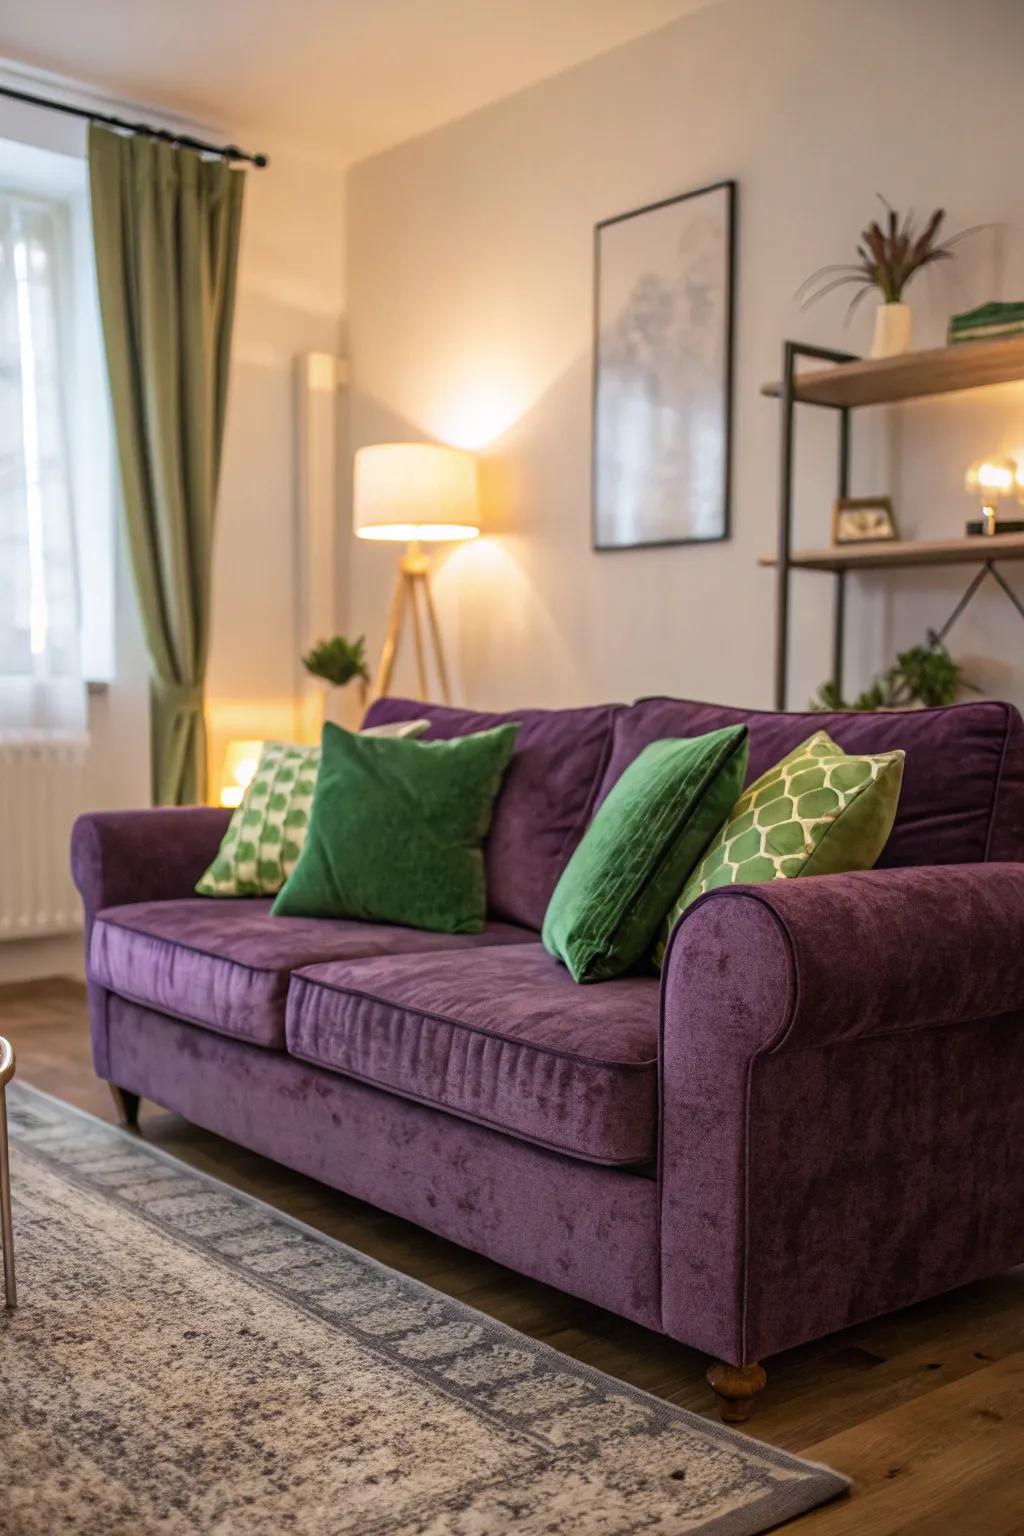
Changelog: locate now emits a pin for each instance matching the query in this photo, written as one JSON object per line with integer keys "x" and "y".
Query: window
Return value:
{"x": 39, "y": 623}
{"x": 56, "y": 523}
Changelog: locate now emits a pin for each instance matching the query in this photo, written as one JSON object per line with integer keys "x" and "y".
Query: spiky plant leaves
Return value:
{"x": 338, "y": 660}
{"x": 887, "y": 258}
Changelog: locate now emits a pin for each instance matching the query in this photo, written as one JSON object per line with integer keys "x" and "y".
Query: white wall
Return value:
{"x": 469, "y": 283}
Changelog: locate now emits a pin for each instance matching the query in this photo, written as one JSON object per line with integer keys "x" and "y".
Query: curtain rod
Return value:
{"x": 226, "y": 151}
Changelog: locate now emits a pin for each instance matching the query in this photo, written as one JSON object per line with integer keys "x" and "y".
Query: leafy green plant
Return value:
{"x": 888, "y": 256}
{"x": 926, "y": 674}
{"x": 338, "y": 660}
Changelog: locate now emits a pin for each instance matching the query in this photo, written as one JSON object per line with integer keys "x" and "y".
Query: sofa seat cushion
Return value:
{"x": 500, "y": 1036}
{"x": 226, "y": 964}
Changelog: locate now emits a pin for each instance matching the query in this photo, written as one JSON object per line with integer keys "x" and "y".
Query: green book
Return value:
{"x": 987, "y": 333}
{"x": 995, "y": 313}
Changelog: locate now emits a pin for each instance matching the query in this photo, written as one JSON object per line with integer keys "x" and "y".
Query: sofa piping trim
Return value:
{"x": 997, "y": 786}
{"x": 789, "y": 1014}
{"x": 572, "y": 1153}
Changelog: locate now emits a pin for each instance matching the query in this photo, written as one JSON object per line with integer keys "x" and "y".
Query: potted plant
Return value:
{"x": 338, "y": 662}
{"x": 889, "y": 255}
{"x": 924, "y": 676}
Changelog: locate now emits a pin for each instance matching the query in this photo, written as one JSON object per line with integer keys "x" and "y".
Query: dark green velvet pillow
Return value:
{"x": 652, "y": 827}
{"x": 396, "y": 830}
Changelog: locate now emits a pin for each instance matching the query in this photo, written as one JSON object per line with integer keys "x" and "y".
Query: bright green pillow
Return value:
{"x": 645, "y": 838}
{"x": 818, "y": 812}
{"x": 265, "y": 835}
{"x": 397, "y": 829}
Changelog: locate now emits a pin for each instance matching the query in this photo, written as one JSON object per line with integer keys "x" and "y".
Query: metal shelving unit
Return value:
{"x": 847, "y": 384}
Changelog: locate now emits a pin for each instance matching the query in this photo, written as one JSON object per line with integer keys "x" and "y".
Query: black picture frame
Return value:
{"x": 729, "y": 187}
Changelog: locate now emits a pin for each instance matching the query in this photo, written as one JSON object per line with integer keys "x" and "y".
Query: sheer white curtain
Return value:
{"x": 41, "y": 685}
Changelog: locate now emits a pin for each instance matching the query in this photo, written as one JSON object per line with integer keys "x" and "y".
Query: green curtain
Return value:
{"x": 166, "y": 225}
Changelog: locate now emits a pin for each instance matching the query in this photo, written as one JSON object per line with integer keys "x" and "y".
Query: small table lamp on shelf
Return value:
{"x": 414, "y": 493}
{"x": 994, "y": 481}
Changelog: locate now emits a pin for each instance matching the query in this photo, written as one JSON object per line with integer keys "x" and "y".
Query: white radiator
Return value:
{"x": 42, "y": 790}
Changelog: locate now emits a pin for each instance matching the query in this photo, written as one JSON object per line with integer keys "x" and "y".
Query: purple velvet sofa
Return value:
{"x": 814, "y": 1118}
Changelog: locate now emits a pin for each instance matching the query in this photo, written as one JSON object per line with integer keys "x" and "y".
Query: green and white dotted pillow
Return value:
{"x": 265, "y": 836}
{"x": 818, "y": 812}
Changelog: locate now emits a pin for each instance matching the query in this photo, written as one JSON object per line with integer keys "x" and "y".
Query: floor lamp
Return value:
{"x": 414, "y": 493}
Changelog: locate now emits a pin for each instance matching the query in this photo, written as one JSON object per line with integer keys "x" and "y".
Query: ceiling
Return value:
{"x": 341, "y": 78}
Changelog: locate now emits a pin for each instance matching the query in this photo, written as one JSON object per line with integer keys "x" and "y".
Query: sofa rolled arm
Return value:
{"x": 842, "y": 1126}
{"x": 119, "y": 857}
{"x": 150, "y": 855}
{"x": 871, "y": 952}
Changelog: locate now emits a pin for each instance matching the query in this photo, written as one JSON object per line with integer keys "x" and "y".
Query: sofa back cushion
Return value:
{"x": 963, "y": 783}
{"x": 546, "y": 799}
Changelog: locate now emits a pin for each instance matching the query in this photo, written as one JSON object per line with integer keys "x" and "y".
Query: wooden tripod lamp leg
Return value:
{"x": 435, "y": 635}
{"x": 412, "y": 582}
{"x": 417, "y": 583}
{"x": 391, "y": 639}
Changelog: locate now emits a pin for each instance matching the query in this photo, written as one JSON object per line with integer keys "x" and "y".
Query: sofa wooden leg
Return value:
{"x": 127, "y": 1106}
{"x": 736, "y": 1386}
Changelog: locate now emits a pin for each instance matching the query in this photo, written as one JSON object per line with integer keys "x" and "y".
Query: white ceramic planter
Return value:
{"x": 345, "y": 706}
{"x": 892, "y": 330}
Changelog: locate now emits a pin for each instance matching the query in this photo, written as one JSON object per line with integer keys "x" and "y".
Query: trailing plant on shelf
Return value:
{"x": 926, "y": 675}
{"x": 338, "y": 661}
{"x": 889, "y": 255}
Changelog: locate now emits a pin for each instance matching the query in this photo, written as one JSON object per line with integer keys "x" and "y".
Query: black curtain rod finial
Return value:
{"x": 232, "y": 152}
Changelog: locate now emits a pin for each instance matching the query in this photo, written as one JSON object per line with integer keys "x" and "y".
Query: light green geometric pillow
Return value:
{"x": 818, "y": 812}
{"x": 266, "y": 834}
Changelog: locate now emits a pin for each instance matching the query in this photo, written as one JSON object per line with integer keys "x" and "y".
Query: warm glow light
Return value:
{"x": 480, "y": 412}
{"x": 489, "y": 577}
{"x": 413, "y": 491}
{"x": 404, "y": 533}
{"x": 993, "y": 477}
{"x": 240, "y": 762}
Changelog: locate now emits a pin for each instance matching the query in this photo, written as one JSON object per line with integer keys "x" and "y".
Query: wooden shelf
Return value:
{"x": 887, "y": 554}
{"x": 940, "y": 371}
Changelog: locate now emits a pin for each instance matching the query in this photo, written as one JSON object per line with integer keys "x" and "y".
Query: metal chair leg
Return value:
{"x": 6, "y": 1214}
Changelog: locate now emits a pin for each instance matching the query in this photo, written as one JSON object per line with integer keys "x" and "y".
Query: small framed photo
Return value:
{"x": 862, "y": 520}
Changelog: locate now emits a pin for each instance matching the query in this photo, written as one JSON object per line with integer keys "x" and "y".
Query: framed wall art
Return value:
{"x": 664, "y": 280}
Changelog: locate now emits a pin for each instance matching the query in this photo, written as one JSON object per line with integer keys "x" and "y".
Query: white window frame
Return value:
{"x": 61, "y": 180}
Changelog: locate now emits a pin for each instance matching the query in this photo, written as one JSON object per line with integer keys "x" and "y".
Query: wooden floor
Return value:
{"x": 924, "y": 1409}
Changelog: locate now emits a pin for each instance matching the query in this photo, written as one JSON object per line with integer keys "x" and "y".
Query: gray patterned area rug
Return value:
{"x": 186, "y": 1359}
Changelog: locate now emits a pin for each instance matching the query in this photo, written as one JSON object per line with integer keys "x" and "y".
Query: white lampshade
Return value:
{"x": 407, "y": 491}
